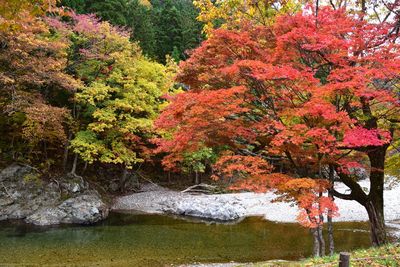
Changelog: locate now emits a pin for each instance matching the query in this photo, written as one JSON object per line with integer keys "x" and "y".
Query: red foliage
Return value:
{"x": 361, "y": 137}
{"x": 302, "y": 91}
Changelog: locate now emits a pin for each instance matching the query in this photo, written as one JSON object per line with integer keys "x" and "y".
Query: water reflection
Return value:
{"x": 155, "y": 240}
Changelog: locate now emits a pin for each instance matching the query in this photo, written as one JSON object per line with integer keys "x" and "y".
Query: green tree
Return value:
{"x": 161, "y": 27}
{"x": 141, "y": 24}
{"x": 121, "y": 98}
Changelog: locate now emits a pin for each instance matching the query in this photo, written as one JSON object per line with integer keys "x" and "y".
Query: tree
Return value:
{"x": 308, "y": 98}
{"x": 35, "y": 88}
{"x": 161, "y": 27}
{"x": 168, "y": 29}
{"x": 114, "y": 11}
{"x": 227, "y": 14}
{"x": 141, "y": 22}
{"x": 121, "y": 96}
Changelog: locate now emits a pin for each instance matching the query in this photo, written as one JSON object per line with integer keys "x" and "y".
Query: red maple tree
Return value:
{"x": 291, "y": 106}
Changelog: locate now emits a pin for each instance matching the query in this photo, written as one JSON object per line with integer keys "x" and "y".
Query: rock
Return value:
{"x": 72, "y": 183}
{"x": 23, "y": 195}
{"x": 15, "y": 171}
{"x": 157, "y": 199}
{"x": 114, "y": 186}
{"x": 6, "y": 201}
{"x": 213, "y": 209}
{"x": 46, "y": 216}
{"x": 83, "y": 209}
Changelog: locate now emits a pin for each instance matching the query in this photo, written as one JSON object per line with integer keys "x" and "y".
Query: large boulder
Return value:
{"x": 211, "y": 209}
{"x": 83, "y": 209}
{"x": 23, "y": 195}
{"x": 22, "y": 192}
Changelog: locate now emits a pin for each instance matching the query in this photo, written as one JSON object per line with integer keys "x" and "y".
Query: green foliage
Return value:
{"x": 197, "y": 161}
{"x": 379, "y": 256}
{"x": 33, "y": 177}
{"x": 140, "y": 22}
{"x": 121, "y": 98}
{"x": 161, "y": 27}
{"x": 392, "y": 163}
{"x": 176, "y": 27}
{"x": 72, "y": 81}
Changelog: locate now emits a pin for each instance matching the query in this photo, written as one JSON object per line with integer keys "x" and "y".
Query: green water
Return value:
{"x": 155, "y": 240}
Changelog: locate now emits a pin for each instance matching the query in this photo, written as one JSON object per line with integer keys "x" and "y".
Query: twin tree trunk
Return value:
{"x": 373, "y": 203}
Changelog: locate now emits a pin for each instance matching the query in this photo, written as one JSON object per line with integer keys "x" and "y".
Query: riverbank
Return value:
{"x": 225, "y": 207}
{"x": 388, "y": 255}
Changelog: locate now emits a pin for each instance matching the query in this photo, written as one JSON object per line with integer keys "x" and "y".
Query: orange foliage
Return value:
{"x": 295, "y": 96}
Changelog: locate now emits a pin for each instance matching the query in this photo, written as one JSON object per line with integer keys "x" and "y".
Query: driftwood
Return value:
{"x": 200, "y": 188}
{"x": 146, "y": 179}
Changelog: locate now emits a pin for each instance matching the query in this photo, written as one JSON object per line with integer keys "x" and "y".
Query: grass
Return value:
{"x": 388, "y": 255}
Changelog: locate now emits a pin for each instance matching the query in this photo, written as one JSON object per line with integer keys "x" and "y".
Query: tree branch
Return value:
{"x": 342, "y": 196}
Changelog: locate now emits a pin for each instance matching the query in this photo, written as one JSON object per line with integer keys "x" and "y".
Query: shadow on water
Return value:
{"x": 156, "y": 240}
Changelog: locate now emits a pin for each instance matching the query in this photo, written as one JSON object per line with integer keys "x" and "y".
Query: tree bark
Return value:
{"x": 66, "y": 152}
{"x": 122, "y": 179}
{"x": 73, "y": 170}
{"x": 321, "y": 238}
{"x": 377, "y": 224}
{"x": 316, "y": 243}
{"x": 375, "y": 205}
{"x": 320, "y": 231}
{"x": 331, "y": 241}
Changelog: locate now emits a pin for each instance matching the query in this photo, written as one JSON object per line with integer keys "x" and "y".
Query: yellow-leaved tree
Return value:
{"x": 121, "y": 96}
{"x": 228, "y": 13}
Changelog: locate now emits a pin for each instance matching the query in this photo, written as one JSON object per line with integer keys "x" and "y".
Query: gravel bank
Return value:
{"x": 160, "y": 200}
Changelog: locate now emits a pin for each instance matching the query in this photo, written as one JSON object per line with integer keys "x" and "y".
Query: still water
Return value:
{"x": 156, "y": 240}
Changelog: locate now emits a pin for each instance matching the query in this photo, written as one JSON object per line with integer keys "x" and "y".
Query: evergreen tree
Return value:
{"x": 114, "y": 11}
{"x": 161, "y": 27}
{"x": 168, "y": 29}
{"x": 141, "y": 24}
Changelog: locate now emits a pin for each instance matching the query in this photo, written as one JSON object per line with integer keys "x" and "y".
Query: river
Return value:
{"x": 159, "y": 240}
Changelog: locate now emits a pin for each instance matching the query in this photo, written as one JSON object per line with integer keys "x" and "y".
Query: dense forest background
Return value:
{"x": 162, "y": 27}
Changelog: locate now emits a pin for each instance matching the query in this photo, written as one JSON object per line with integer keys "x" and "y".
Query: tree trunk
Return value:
{"x": 316, "y": 242}
{"x": 84, "y": 168}
{"x": 197, "y": 179}
{"x": 66, "y": 152}
{"x": 122, "y": 179}
{"x": 73, "y": 170}
{"x": 320, "y": 229}
{"x": 331, "y": 241}
{"x": 377, "y": 224}
{"x": 374, "y": 205}
{"x": 321, "y": 238}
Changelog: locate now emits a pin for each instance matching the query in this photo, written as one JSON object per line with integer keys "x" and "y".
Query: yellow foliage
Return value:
{"x": 227, "y": 13}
